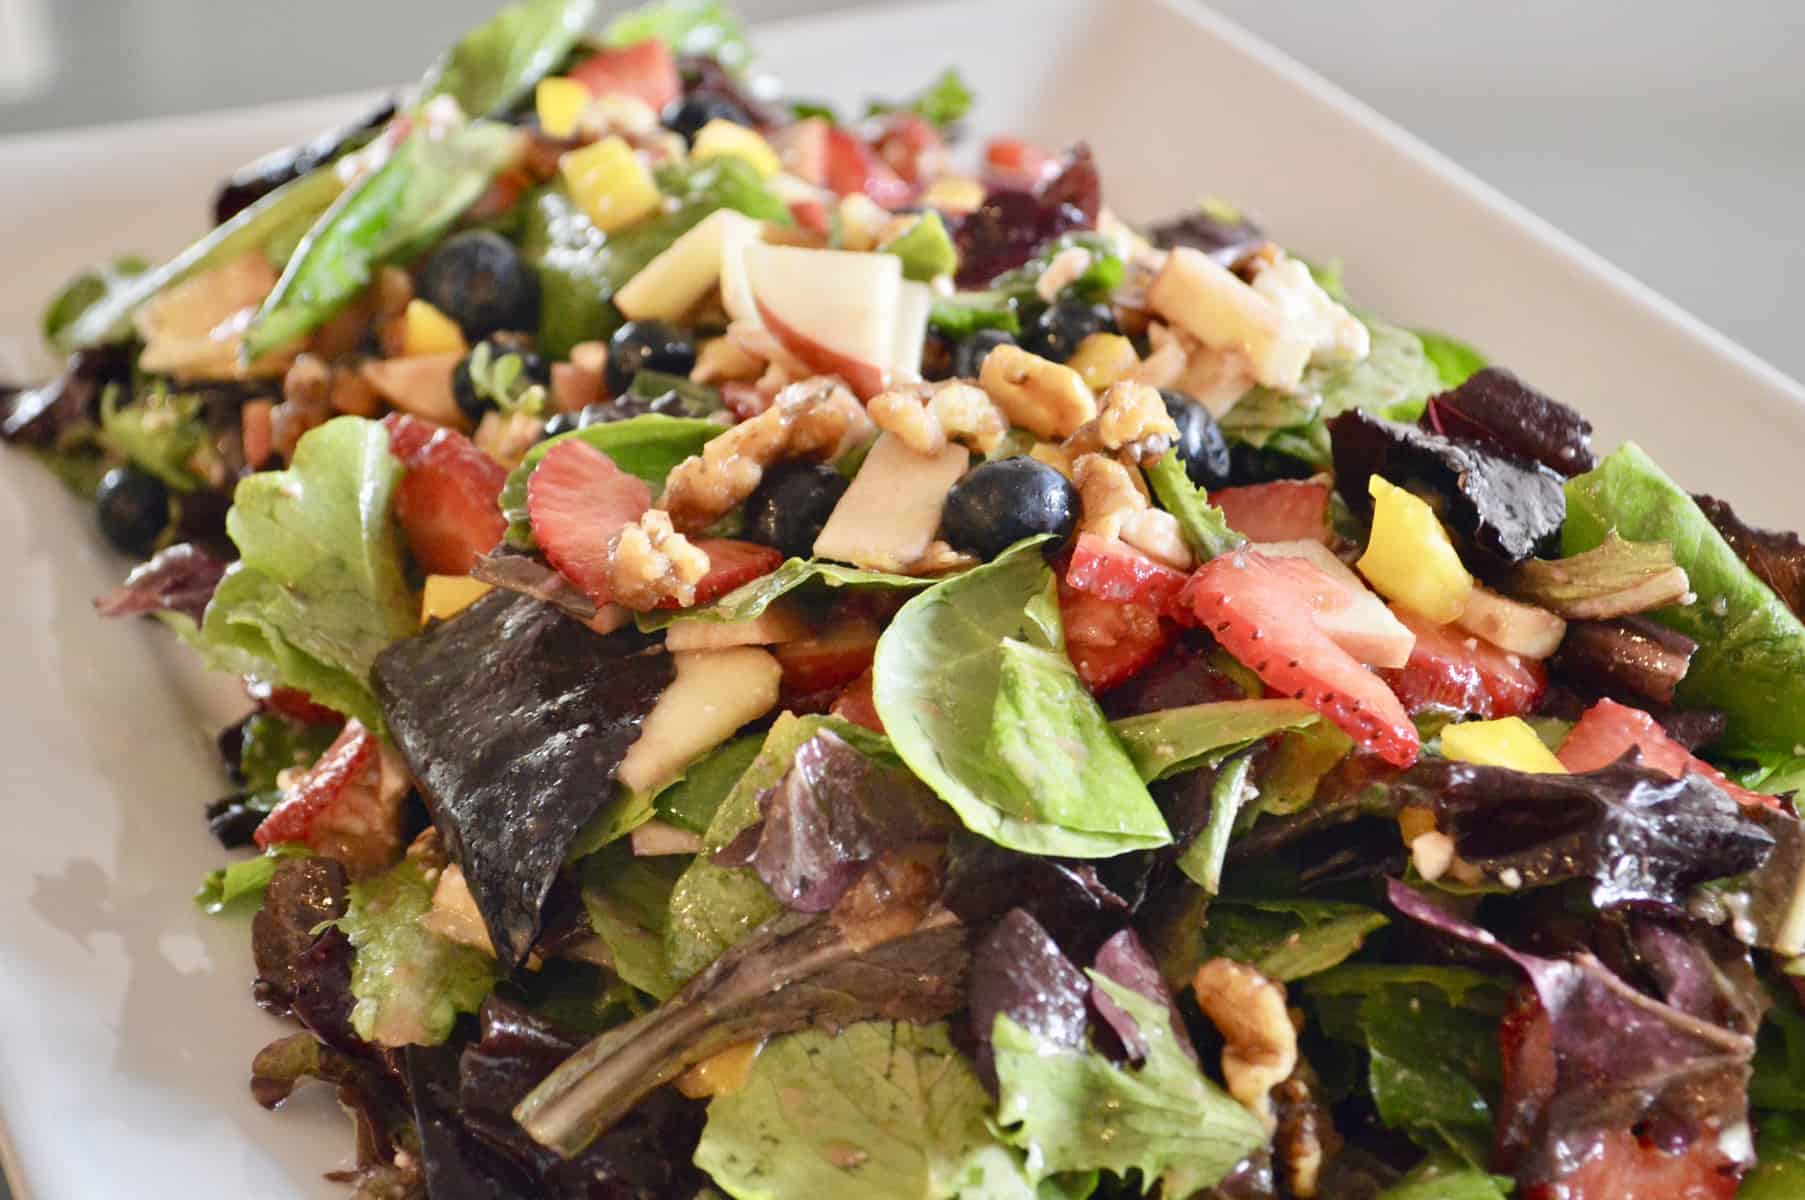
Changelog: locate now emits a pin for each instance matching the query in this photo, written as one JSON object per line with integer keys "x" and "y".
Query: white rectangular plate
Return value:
{"x": 128, "y": 1026}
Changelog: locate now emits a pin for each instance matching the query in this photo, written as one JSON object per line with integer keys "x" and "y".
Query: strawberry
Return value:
{"x": 644, "y": 71}
{"x": 1451, "y": 668}
{"x": 1608, "y": 730}
{"x": 855, "y": 704}
{"x": 292, "y": 703}
{"x": 910, "y": 146}
{"x": 1290, "y": 510}
{"x": 852, "y": 167}
{"x": 730, "y": 564}
{"x": 447, "y": 501}
{"x": 340, "y": 806}
{"x": 1264, "y": 611}
{"x": 577, "y": 500}
{"x": 832, "y": 659}
{"x": 811, "y": 217}
{"x": 1013, "y": 163}
{"x": 1109, "y": 640}
{"x": 1112, "y": 570}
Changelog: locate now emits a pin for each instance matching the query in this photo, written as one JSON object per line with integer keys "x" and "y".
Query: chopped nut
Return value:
{"x": 818, "y": 419}
{"x": 306, "y": 404}
{"x": 1108, "y": 494}
{"x": 925, "y": 415}
{"x": 352, "y": 394}
{"x": 1432, "y": 854}
{"x": 1048, "y": 399}
{"x": 649, "y": 562}
{"x": 721, "y": 360}
{"x": 1306, "y": 1137}
{"x": 506, "y": 439}
{"x": 1260, "y": 1043}
{"x": 1133, "y": 419}
{"x": 939, "y": 559}
{"x": 1053, "y": 456}
{"x": 1102, "y": 359}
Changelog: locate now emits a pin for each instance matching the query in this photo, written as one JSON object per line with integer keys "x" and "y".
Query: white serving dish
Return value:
{"x": 128, "y": 1027}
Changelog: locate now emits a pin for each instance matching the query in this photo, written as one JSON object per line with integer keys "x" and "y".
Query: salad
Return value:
{"x": 789, "y": 655}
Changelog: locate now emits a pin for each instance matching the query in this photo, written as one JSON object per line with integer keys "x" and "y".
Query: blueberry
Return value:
{"x": 791, "y": 505}
{"x": 999, "y": 503}
{"x": 937, "y": 356}
{"x": 134, "y": 508}
{"x": 1201, "y": 446}
{"x": 1056, "y": 333}
{"x": 647, "y": 346}
{"x": 480, "y": 281}
{"x": 969, "y": 354}
{"x": 474, "y": 404}
{"x": 1253, "y": 464}
{"x": 688, "y": 114}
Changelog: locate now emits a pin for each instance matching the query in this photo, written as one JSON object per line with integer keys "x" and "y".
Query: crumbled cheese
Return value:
{"x": 1311, "y": 315}
{"x": 1432, "y": 854}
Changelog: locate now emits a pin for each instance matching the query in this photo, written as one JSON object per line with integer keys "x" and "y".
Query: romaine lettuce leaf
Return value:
{"x": 1074, "y": 1110}
{"x": 496, "y": 64}
{"x": 750, "y": 599}
{"x": 83, "y": 292}
{"x": 319, "y": 589}
{"x": 1205, "y": 527}
{"x": 687, "y": 27}
{"x": 629, "y": 901}
{"x": 410, "y": 983}
{"x": 1751, "y": 657}
{"x": 1171, "y": 740}
{"x": 973, "y": 686}
{"x": 885, "y": 1110}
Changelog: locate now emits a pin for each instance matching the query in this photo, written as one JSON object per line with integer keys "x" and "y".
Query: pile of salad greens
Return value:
{"x": 781, "y": 665}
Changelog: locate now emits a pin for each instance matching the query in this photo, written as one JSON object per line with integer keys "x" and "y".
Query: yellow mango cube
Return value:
{"x": 448, "y": 595}
{"x": 954, "y": 194}
{"x": 426, "y": 330}
{"x": 721, "y": 136}
{"x": 1509, "y": 742}
{"x": 1103, "y": 359}
{"x": 1409, "y": 558}
{"x": 610, "y": 183}
{"x": 560, "y": 102}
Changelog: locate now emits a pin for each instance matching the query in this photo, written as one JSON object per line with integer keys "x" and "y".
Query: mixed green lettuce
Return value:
{"x": 647, "y": 446}
{"x": 495, "y": 65}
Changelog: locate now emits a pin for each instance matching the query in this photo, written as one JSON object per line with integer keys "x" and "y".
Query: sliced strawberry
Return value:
{"x": 292, "y": 703}
{"x": 1290, "y": 510}
{"x": 341, "y": 806}
{"x": 857, "y": 705}
{"x": 852, "y": 167}
{"x": 1450, "y": 668}
{"x": 1013, "y": 163}
{"x": 730, "y": 563}
{"x": 1110, "y": 640}
{"x": 447, "y": 501}
{"x": 577, "y": 500}
{"x": 832, "y": 659}
{"x": 1113, "y": 570}
{"x": 910, "y": 146}
{"x": 1607, "y": 731}
{"x": 644, "y": 71}
{"x": 1264, "y": 611}
{"x": 811, "y": 216}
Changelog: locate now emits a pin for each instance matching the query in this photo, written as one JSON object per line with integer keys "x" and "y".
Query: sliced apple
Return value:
{"x": 802, "y": 148}
{"x": 1213, "y": 305}
{"x": 1362, "y": 625}
{"x": 715, "y": 692}
{"x": 1510, "y": 624}
{"x": 913, "y": 304}
{"x": 675, "y": 282}
{"x": 833, "y": 309}
{"x": 420, "y": 385}
{"x": 891, "y": 510}
{"x": 454, "y": 915}
{"x": 781, "y": 622}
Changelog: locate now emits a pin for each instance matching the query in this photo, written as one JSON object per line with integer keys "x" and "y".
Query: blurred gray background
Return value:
{"x": 1667, "y": 135}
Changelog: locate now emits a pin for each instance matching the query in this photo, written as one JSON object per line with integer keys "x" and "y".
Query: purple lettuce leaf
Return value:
{"x": 1220, "y": 232}
{"x": 180, "y": 579}
{"x": 1018, "y": 970}
{"x": 1495, "y": 409}
{"x": 984, "y": 882}
{"x": 373, "y": 1098}
{"x": 1012, "y": 224}
{"x": 1126, "y": 961}
{"x": 1778, "y": 559}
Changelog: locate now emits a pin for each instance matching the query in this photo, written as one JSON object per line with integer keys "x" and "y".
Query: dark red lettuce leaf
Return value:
{"x": 180, "y": 579}
{"x": 526, "y": 575}
{"x": 300, "y": 972}
{"x": 1125, "y": 960}
{"x": 42, "y": 415}
{"x": 1496, "y": 410}
{"x": 454, "y": 1162}
{"x": 1224, "y": 236}
{"x": 1502, "y": 507}
{"x": 255, "y": 180}
{"x": 513, "y": 718}
{"x": 833, "y": 812}
{"x": 1608, "y": 1059}
{"x": 373, "y": 1098}
{"x": 1777, "y": 558}
{"x": 984, "y": 882}
{"x": 1631, "y": 659}
{"x": 1006, "y": 230}
{"x": 1018, "y": 970}
{"x": 1187, "y": 673}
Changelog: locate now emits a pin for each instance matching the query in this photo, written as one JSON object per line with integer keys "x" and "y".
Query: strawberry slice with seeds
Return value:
{"x": 341, "y": 806}
{"x": 644, "y": 71}
{"x": 577, "y": 500}
{"x": 1451, "y": 668}
{"x": 1607, "y": 731}
{"x": 447, "y": 501}
{"x": 1264, "y": 611}
{"x": 852, "y": 166}
{"x": 1109, "y": 641}
{"x": 1113, "y": 570}
{"x": 1289, "y": 510}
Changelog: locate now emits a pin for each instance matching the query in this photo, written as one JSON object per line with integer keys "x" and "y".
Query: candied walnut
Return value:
{"x": 1048, "y": 399}
{"x": 818, "y": 419}
{"x": 1306, "y": 1138}
{"x": 306, "y": 403}
{"x": 925, "y": 415}
{"x": 1260, "y": 1043}
{"x": 1107, "y": 492}
{"x": 1133, "y": 420}
{"x": 650, "y": 562}
{"x": 507, "y": 438}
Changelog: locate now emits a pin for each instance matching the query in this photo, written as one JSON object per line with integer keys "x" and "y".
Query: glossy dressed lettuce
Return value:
{"x": 750, "y": 599}
{"x": 496, "y": 64}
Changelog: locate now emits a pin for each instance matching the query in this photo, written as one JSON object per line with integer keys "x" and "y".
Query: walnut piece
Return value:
{"x": 818, "y": 419}
{"x": 1048, "y": 399}
{"x": 1132, "y": 419}
{"x": 650, "y": 562}
{"x": 925, "y": 415}
{"x": 1260, "y": 1043}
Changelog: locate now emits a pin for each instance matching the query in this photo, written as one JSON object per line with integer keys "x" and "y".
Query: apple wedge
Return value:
{"x": 783, "y": 621}
{"x": 835, "y": 310}
{"x": 1512, "y": 625}
{"x": 891, "y": 510}
{"x": 1362, "y": 626}
{"x": 913, "y": 304}
{"x": 675, "y": 282}
{"x": 1209, "y": 302}
{"x": 715, "y": 692}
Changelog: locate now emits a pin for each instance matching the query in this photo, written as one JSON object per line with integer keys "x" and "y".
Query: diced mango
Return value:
{"x": 1103, "y": 359}
{"x": 721, "y": 136}
{"x": 954, "y": 194}
{"x": 560, "y": 102}
{"x": 1409, "y": 558}
{"x": 610, "y": 183}
{"x": 426, "y": 330}
{"x": 448, "y": 595}
{"x": 725, "y": 1072}
{"x": 1509, "y": 742}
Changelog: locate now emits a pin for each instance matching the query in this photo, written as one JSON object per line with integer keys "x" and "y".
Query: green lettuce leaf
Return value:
{"x": 926, "y": 249}
{"x": 1780, "y": 1054}
{"x": 1204, "y": 526}
{"x": 1202, "y": 860}
{"x": 1751, "y": 648}
{"x": 750, "y": 599}
{"x": 496, "y": 64}
{"x": 1447, "y": 1177}
{"x": 972, "y": 683}
{"x": 271, "y": 744}
{"x": 1074, "y": 1110}
{"x": 1287, "y": 939}
{"x": 240, "y": 885}
{"x": 1781, "y": 1150}
{"x": 319, "y": 589}
{"x": 393, "y": 213}
{"x": 944, "y": 101}
{"x": 692, "y": 801}
{"x": 647, "y": 446}
{"x": 884, "y": 1111}
{"x": 687, "y": 27}
{"x": 629, "y": 903}
{"x": 1454, "y": 360}
{"x": 966, "y": 313}
{"x": 410, "y": 983}
{"x": 82, "y": 293}
{"x": 164, "y": 433}
{"x": 1173, "y": 740}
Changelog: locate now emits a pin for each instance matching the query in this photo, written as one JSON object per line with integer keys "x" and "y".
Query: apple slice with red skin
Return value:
{"x": 835, "y": 310}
